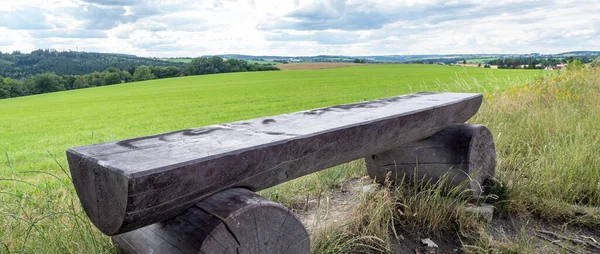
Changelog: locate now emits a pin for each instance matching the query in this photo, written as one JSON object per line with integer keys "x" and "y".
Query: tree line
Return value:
{"x": 536, "y": 62}
{"x": 51, "y": 82}
{"x": 216, "y": 64}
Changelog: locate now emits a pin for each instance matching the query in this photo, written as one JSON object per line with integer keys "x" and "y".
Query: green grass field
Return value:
{"x": 40, "y": 212}
{"x": 32, "y": 126}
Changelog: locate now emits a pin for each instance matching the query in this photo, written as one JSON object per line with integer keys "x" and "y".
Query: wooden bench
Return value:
{"x": 193, "y": 190}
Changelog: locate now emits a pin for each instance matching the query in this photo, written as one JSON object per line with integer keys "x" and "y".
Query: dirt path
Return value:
{"x": 323, "y": 211}
{"x": 337, "y": 205}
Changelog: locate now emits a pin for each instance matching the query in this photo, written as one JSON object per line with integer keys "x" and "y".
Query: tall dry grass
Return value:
{"x": 547, "y": 135}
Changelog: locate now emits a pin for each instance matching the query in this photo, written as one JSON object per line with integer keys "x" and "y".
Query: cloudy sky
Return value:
{"x": 300, "y": 27}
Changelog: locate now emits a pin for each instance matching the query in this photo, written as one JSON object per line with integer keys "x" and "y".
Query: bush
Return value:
{"x": 142, "y": 73}
{"x": 574, "y": 65}
{"x": 47, "y": 83}
{"x": 111, "y": 78}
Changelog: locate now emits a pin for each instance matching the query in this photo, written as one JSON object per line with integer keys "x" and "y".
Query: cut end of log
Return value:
{"x": 101, "y": 192}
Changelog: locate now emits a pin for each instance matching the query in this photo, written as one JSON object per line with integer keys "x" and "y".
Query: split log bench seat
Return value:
{"x": 192, "y": 191}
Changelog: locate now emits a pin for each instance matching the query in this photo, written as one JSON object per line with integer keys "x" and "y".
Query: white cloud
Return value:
{"x": 300, "y": 27}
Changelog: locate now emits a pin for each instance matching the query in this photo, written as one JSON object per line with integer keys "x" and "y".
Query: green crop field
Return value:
{"x": 40, "y": 212}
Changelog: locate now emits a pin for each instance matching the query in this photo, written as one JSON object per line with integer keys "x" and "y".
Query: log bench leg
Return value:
{"x": 464, "y": 151}
{"x": 232, "y": 221}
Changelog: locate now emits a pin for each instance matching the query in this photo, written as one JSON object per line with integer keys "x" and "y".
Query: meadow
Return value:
{"x": 543, "y": 125}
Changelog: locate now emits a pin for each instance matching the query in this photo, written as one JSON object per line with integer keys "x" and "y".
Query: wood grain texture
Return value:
{"x": 140, "y": 181}
{"x": 465, "y": 152}
{"x": 232, "y": 221}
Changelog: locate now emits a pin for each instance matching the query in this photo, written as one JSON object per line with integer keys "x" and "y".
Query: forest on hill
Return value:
{"x": 19, "y": 65}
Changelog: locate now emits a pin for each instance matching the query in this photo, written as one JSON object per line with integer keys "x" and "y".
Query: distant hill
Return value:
{"x": 19, "y": 65}
{"x": 579, "y": 53}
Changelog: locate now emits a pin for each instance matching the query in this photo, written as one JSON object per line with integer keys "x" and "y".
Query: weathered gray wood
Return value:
{"x": 464, "y": 151}
{"x": 132, "y": 183}
{"x": 232, "y": 221}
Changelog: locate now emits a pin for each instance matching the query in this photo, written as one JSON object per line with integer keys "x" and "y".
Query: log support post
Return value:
{"x": 465, "y": 152}
{"x": 232, "y": 221}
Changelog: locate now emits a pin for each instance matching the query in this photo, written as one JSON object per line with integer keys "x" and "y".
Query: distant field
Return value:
{"x": 313, "y": 66}
{"x": 476, "y": 65}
